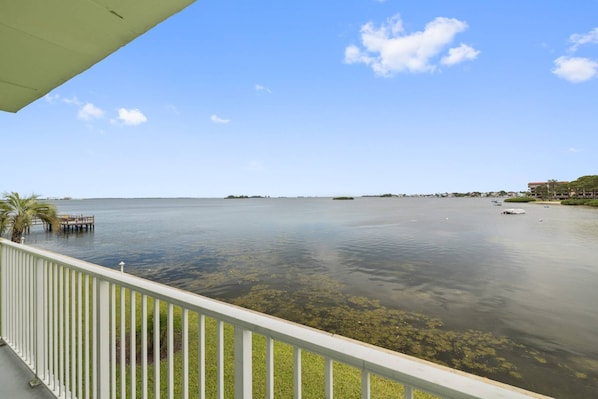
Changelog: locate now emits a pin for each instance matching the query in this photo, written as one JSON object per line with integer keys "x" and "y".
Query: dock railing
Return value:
{"x": 87, "y": 331}
{"x": 68, "y": 223}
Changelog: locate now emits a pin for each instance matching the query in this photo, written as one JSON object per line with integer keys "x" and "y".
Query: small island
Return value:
{"x": 343, "y": 198}
{"x": 388, "y": 195}
{"x": 244, "y": 196}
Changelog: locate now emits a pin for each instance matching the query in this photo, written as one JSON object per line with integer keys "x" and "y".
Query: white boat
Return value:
{"x": 513, "y": 211}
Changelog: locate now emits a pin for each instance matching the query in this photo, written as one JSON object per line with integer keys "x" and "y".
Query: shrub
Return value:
{"x": 520, "y": 199}
{"x": 575, "y": 201}
{"x": 581, "y": 201}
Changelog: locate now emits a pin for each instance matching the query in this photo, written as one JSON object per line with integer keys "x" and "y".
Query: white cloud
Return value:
{"x": 131, "y": 117}
{"x": 575, "y": 69}
{"x": 89, "y": 112}
{"x": 260, "y": 88}
{"x": 573, "y": 149}
{"x": 51, "y": 98}
{"x": 216, "y": 119}
{"x": 72, "y": 100}
{"x": 459, "y": 54}
{"x": 388, "y": 49}
{"x": 581, "y": 39}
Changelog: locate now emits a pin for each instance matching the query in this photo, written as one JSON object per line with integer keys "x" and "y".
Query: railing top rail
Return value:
{"x": 75, "y": 216}
{"x": 418, "y": 373}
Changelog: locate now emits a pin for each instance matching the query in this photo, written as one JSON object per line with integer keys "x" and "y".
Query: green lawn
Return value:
{"x": 347, "y": 380}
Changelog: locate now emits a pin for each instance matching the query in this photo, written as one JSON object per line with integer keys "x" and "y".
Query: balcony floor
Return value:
{"x": 15, "y": 377}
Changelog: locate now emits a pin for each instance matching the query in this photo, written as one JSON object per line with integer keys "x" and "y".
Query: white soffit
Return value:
{"x": 44, "y": 43}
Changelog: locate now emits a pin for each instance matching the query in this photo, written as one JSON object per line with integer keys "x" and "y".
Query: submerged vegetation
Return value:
{"x": 322, "y": 302}
{"x": 369, "y": 321}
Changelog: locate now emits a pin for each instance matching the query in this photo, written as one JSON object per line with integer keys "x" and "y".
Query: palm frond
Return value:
{"x": 17, "y": 213}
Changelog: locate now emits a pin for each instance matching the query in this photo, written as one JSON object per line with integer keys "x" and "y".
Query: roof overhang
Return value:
{"x": 44, "y": 43}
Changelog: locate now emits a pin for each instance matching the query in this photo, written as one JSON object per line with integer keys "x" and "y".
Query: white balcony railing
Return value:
{"x": 90, "y": 332}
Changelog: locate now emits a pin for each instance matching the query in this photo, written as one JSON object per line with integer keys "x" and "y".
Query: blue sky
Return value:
{"x": 322, "y": 98}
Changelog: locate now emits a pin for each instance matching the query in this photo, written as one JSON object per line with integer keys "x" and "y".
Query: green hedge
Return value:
{"x": 520, "y": 199}
{"x": 581, "y": 201}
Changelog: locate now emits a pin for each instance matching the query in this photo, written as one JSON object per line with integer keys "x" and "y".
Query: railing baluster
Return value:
{"x": 156, "y": 348}
{"x": 80, "y": 335}
{"x": 40, "y": 318}
{"x": 243, "y": 363}
{"x": 8, "y": 295}
{"x": 201, "y": 356}
{"x": 365, "y": 384}
{"x": 54, "y": 323}
{"x": 408, "y": 392}
{"x": 87, "y": 346}
{"x": 94, "y": 337}
{"x": 14, "y": 300}
{"x": 67, "y": 332}
{"x": 170, "y": 349}
{"x": 61, "y": 323}
{"x": 30, "y": 307}
{"x": 19, "y": 306}
{"x": 133, "y": 344}
{"x": 22, "y": 303}
{"x": 269, "y": 368}
{"x": 123, "y": 344}
{"x": 185, "y": 350}
{"x": 47, "y": 322}
{"x": 102, "y": 338}
{"x": 32, "y": 310}
{"x": 29, "y": 310}
{"x": 297, "y": 373}
{"x": 26, "y": 309}
{"x": 220, "y": 359}
{"x": 113, "y": 359}
{"x": 144, "y": 346}
{"x": 73, "y": 334}
{"x": 328, "y": 378}
{"x": 4, "y": 286}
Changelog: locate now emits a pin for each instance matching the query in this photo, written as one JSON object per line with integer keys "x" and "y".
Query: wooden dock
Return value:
{"x": 76, "y": 223}
{"x": 70, "y": 223}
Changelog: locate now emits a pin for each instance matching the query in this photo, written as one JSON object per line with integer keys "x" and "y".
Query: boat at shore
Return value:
{"x": 513, "y": 211}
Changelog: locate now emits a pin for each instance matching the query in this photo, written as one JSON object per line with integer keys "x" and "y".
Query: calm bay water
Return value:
{"x": 532, "y": 277}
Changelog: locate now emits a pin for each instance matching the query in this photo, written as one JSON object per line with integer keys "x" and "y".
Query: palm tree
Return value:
{"x": 17, "y": 214}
